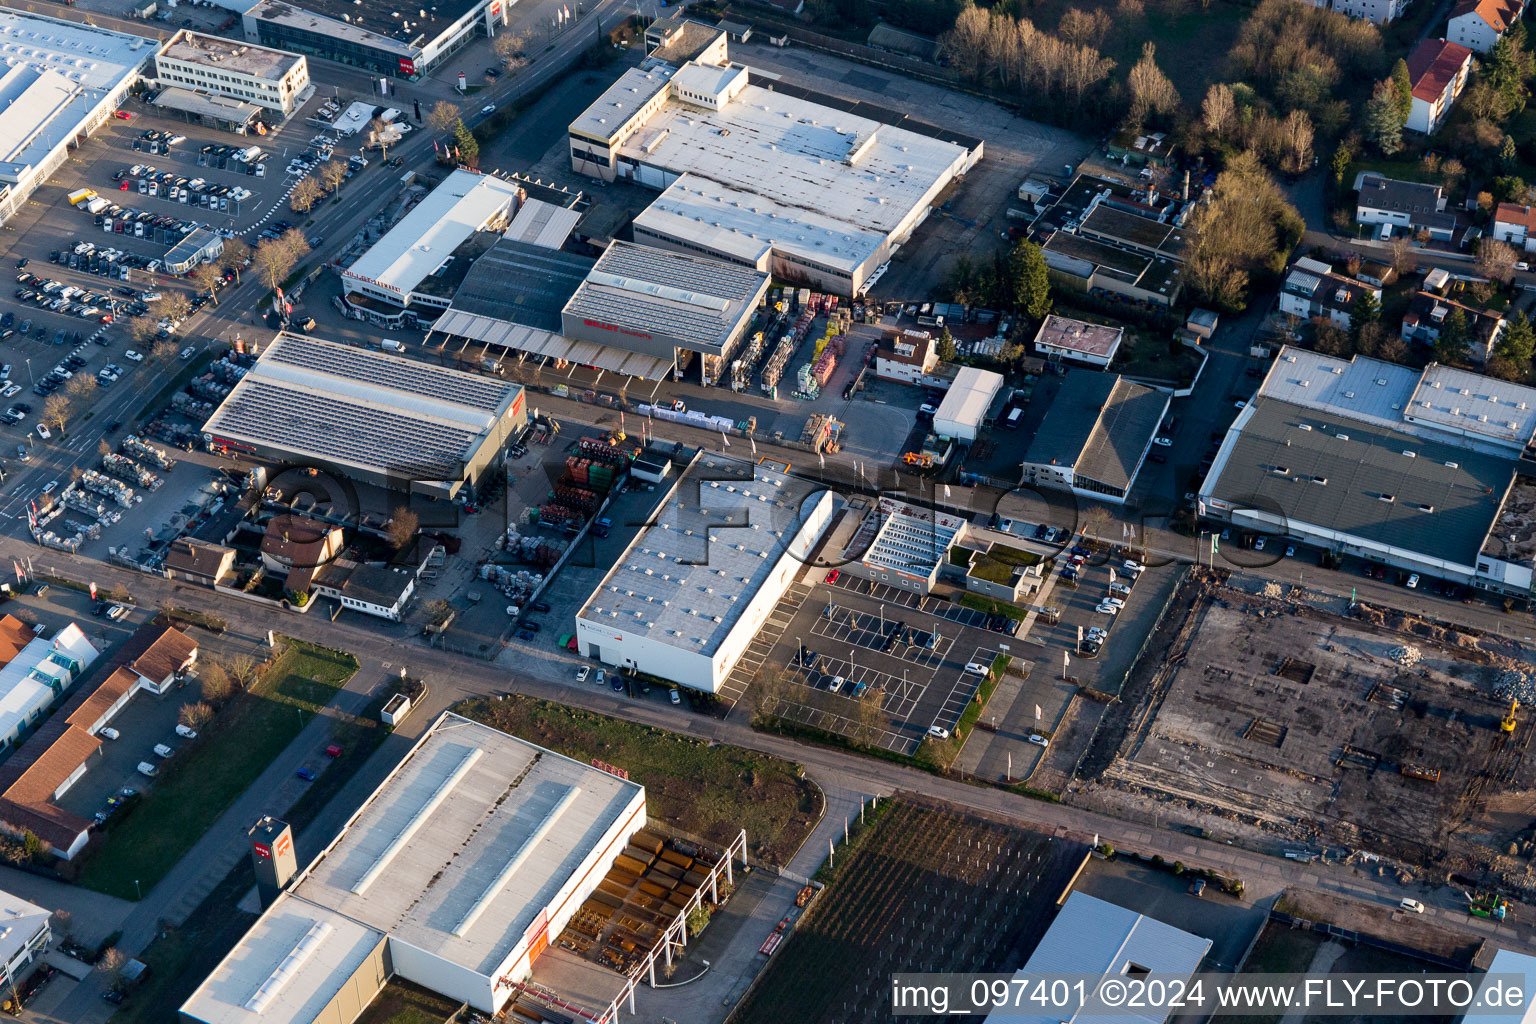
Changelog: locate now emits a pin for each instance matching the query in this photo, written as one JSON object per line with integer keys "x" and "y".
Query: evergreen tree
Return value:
{"x": 464, "y": 142}
{"x": 1031, "y": 279}
{"x": 1404, "y": 86}
{"x": 1518, "y": 342}
{"x": 946, "y": 346}
{"x": 1452, "y": 346}
{"x": 1383, "y": 120}
{"x": 1365, "y": 310}
{"x": 1342, "y": 158}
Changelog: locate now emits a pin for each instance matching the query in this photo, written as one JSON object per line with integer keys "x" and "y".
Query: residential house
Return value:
{"x": 378, "y": 590}
{"x": 38, "y": 675}
{"x": 295, "y": 546}
{"x": 1312, "y": 290}
{"x": 1376, "y": 273}
{"x": 1438, "y": 71}
{"x": 1408, "y": 206}
{"x": 906, "y": 357}
{"x": 1516, "y": 225}
{"x": 1380, "y": 12}
{"x": 160, "y": 656}
{"x": 1479, "y": 24}
{"x": 1427, "y": 312}
{"x": 1062, "y": 337}
{"x": 197, "y": 561}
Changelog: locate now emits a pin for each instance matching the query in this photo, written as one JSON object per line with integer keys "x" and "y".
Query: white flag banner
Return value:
{"x": 1037, "y": 711}
{"x": 946, "y": 490}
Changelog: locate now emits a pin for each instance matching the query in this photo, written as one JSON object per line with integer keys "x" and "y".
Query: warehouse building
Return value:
{"x": 376, "y": 37}
{"x": 1099, "y": 940}
{"x": 274, "y": 80}
{"x": 696, "y": 584}
{"x": 1096, "y": 436}
{"x": 667, "y": 305}
{"x": 368, "y": 416}
{"x": 809, "y": 188}
{"x": 413, "y": 265}
{"x": 35, "y": 676}
{"x": 967, "y": 404}
{"x": 1356, "y": 486}
{"x": 59, "y": 82}
{"x": 455, "y": 874}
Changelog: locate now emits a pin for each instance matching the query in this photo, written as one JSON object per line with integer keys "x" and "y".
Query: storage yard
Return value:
{"x": 1252, "y": 715}
{"x": 927, "y": 889}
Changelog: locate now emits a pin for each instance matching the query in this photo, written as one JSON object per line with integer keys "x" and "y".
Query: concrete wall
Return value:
{"x": 357, "y": 991}
{"x": 443, "y": 976}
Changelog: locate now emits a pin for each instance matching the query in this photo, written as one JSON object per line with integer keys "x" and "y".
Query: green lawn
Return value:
{"x": 709, "y": 790}
{"x": 991, "y": 606}
{"x": 199, "y": 785}
{"x": 404, "y": 1003}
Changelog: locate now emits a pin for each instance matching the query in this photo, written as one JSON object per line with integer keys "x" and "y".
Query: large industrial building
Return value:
{"x": 413, "y": 264}
{"x": 369, "y": 416}
{"x": 810, "y": 188}
{"x": 455, "y": 874}
{"x": 668, "y": 305}
{"x": 59, "y": 81}
{"x": 696, "y": 584}
{"x": 1096, "y": 436}
{"x": 399, "y": 43}
{"x": 1420, "y": 470}
{"x": 274, "y": 80}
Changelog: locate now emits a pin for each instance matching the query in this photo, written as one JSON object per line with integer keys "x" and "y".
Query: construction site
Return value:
{"x": 1264, "y": 720}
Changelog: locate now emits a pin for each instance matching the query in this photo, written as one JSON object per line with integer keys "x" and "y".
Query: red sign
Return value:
{"x": 616, "y": 772}
{"x": 407, "y": 66}
{"x": 93, "y": 591}
{"x": 495, "y": 8}
{"x": 263, "y": 851}
{"x": 284, "y": 844}
{"x": 517, "y": 404}
{"x": 616, "y": 329}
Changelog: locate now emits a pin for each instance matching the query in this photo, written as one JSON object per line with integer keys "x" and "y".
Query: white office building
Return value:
{"x": 24, "y": 937}
{"x": 696, "y": 584}
{"x": 37, "y": 677}
{"x": 275, "y": 80}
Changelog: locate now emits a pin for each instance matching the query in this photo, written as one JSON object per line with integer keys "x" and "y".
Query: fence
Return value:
{"x": 1333, "y": 931}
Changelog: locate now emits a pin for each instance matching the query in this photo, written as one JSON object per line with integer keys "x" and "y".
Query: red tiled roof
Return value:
{"x": 14, "y": 635}
{"x": 165, "y": 654}
{"x": 1513, "y": 213}
{"x": 1499, "y": 14}
{"x": 1433, "y": 65}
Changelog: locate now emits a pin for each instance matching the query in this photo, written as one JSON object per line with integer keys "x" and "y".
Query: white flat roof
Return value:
{"x": 22, "y": 921}
{"x": 800, "y": 155}
{"x": 467, "y": 842}
{"x": 424, "y": 238}
{"x": 291, "y": 963}
{"x": 238, "y": 57}
{"x": 620, "y": 100}
{"x": 1463, "y": 401}
{"x": 1360, "y": 387}
{"x": 967, "y": 400}
{"x": 52, "y": 75}
{"x": 743, "y": 225}
{"x": 26, "y": 681}
{"x": 687, "y": 577}
{"x": 1507, "y": 961}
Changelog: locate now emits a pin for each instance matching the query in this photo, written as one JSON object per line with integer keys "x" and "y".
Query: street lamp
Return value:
{"x": 30, "y": 378}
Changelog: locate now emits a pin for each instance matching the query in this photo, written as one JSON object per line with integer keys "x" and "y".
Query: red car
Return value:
{"x": 832, "y": 576}
{"x": 122, "y": 115}
{"x": 333, "y": 751}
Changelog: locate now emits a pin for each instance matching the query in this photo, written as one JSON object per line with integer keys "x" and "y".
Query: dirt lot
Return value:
{"x": 927, "y": 889}
{"x": 1257, "y": 718}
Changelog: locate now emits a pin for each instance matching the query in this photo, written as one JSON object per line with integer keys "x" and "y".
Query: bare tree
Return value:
{"x": 403, "y": 524}
{"x": 378, "y": 130}
{"x": 333, "y": 173}
{"x": 80, "y": 386}
{"x": 506, "y": 46}
{"x": 242, "y": 668}
{"x": 1084, "y": 28}
{"x": 1496, "y": 260}
{"x": 1404, "y": 259}
{"x": 215, "y": 682}
{"x": 142, "y": 328}
{"x": 443, "y": 115}
{"x": 1219, "y": 111}
{"x": 172, "y": 306}
{"x": 56, "y": 410}
{"x": 163, "y": 351}
{"x": 1296, "y": 130}
{"x": 235, "y": 253}
{"x": 294, "y": 241}
{"x": 305, "y": 194}
{"x": 1151, "y": 91}
{"x": 111, "y": 960}
{"x": 206, "y": 276}
{"x": 103, "y": 448}
{"x": 274, "y": 260}
{"x": 195, "y": 716}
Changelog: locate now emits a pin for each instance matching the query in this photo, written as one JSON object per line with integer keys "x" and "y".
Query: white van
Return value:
{"x": 161, "y": 750}
{"x": 145, "y": 768}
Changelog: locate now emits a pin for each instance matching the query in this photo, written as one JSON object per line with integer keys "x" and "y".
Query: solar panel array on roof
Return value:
{"x": 389, "y": 372}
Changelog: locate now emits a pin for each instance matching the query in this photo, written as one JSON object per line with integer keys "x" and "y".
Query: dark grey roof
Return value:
{"x": 1361, "y": 463}
{"x": 522, "y": 283}
{"x": 1420, "y": 201}
{"x": 1099, "y": 424}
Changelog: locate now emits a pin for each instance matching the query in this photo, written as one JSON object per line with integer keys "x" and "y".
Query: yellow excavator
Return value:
{"x": 1507, "y": 723}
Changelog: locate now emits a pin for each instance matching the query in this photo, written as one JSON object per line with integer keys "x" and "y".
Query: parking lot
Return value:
{"x": 866, "y": 638}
